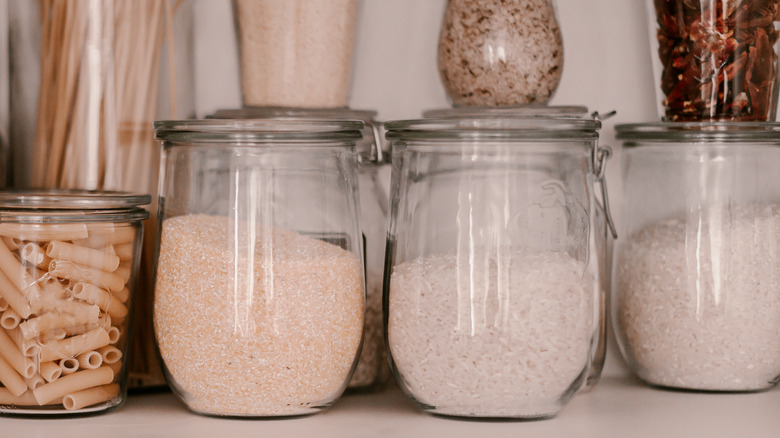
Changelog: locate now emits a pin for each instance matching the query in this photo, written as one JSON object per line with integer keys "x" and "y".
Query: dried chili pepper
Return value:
{"x": 718, "y": 58}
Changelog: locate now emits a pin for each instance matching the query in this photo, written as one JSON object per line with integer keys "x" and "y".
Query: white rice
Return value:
{"x": 510, "y": 340}
{"x": 699, "y": 300}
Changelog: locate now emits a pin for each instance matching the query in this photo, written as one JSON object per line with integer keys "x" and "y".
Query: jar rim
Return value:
{"x": 494, "y": 128}
{"x": 700, "y": 132}
{"x": 70, "y": 199}
{"x": 265, "y": 112}
{"x": 529, "y": 110}
{"x": 259, "y": 131}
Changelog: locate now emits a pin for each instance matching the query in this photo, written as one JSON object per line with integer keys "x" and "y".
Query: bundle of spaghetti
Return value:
{"x": 98, "y": 94}
{"x": 65, "y": 299}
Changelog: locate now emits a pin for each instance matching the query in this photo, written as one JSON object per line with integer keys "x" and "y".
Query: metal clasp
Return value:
{"x": 600, "y": 157}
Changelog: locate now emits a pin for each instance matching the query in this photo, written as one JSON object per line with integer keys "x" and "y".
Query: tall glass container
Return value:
{"x": 492, "y": 280}
{"x": 88, "y": 79}
{"x": 259, "y": 293}
{"x": 372, "y": 369}
{"x": 697, "y": 278}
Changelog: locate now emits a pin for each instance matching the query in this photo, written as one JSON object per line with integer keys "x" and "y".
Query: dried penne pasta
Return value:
{"x": 3, "y": 304}
{"x": 14, "y": 356}
{"x": 69, "y": 365}
{"x": 123, "y": 271}
{"x": 71, "y": 314}
{"x": 34, "y": 255}
{"x": 10, "y": 319}
{"x": 122, "y": 295}
{"x": 43, "y": 232}
{"x": 50, "y": 371}
{"x": 82, "y": 255}
{"x": 25, "y": 399}
{"x": 11, "y": 379}
{"x": 110, "y": 354}
{"x": 114, "y": 334}
{"x": 75, "y": 382}
{"x": 29, "y": 349}
{"x": 89, "y": 397}
{"x": 55, "y": 334}
{"x": 100, "y": 297}
{"x": 124, "y": 251}
{"x": 75, "y": 345}
{"x": 76, "y": 273}
{"x": 15, "y": 272}
{"x": 15, "y": 299}
{"x": 90, "y": 360}
{"x": 34, "y": 382}
{"x": 116, "y": 367}
{"x": 12, "y": 243}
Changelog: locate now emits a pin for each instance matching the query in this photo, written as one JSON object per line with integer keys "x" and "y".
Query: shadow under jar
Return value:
{"x": 492, "y": 283}
{"x": 259, "y": 293}
{"x": 697, "y": 279}
{"x": 68, "y": 273}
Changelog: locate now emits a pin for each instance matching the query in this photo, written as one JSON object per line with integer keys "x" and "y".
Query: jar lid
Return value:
{"x": 531, "y": 110}
{"x": 371, "y": 147}
{"x": 698, "y": 132}
{"x": 269, "y": 112}
{"x": 70, "y": 199}
{"x": 70, "y": 205}
{"x": 258, "y": 131}
{"x": 499, "y": 128}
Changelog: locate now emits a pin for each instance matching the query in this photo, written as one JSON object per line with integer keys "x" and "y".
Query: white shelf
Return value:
{"x": 617, "y": 407}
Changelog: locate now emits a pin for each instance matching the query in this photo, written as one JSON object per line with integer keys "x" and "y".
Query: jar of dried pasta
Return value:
{"x": 68, "y": 266}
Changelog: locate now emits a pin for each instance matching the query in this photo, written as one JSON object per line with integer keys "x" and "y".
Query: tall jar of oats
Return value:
{"x": 259, "y": 293}
{"x": 696, "y": 300}
{"x": 492, "y": 274}
{"x": 500, "y": 52}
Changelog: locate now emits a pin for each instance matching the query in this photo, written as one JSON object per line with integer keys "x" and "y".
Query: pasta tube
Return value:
{"x": 75, "y": 382}
{"x": 34, "y": 255}
{"x": 13, "y": 355}
{"x": 75, "y": 345}
{"x": 69, "y": 366}
{"x": 110, "y": 354}
{"x": 10, "y": 319}
{"x": 89, "y": 397}
{"x": 82, "y": 255}
{"x": 90, "y": 360}
{"x": 11, "y": 379}
{"x": 15, "y": 299}
{"x": 72, "y": 314}
{"x": 15, "y": 272}
{"x": 76, "y": 273}
{"x": 25, "y": 399}
{"x": 104, "y": 300}
{"x": 50, "y": 371}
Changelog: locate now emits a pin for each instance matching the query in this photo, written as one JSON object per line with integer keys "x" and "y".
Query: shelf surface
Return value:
{"x": 617, "y": 407}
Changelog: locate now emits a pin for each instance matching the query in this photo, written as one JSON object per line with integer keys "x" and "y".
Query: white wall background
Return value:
{"x": 607, "y": 65}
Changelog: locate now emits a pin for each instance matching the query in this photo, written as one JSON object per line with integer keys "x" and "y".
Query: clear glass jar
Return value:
{"x": 492, "y": 284}
{"x": 68, "y": 272}
{"x": 259, "y": 293}
{"x": 716, "y": 59}
{"x": 372, "y": 369}
{"x": 88, "y": 79}
{"x": 296, "y": 53}
{"x": 604, "y": 235}
{"x": 697, "y": 278}
{"x": 500, "y": 52}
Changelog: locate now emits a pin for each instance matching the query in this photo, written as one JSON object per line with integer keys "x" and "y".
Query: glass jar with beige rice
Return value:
{"x": 259, "y": 293}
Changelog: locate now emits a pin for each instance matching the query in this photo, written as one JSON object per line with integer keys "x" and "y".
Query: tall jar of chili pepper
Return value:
{"x": 716, "y": 59}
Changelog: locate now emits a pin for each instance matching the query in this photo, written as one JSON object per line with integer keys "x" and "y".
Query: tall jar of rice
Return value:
{"x": 492, "y": 283}
{"x": 69, "y": 262}
{"x": 259, "y": 293}
{"x": 697, "y": 279}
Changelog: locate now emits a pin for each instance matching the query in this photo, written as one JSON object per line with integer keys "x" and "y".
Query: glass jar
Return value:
{"x": 296, "y": 53}
{"x": 604, "y": 235}
{"x": 88, "y": 79}
{"x": 372, "y": 369}
{"x": 492, "y": 284}
{"x": 716, "y": 59}
{"x": 500, "y": 52}
{"x": 697, "y": 280}
{"x": 68, "y": 266}
{"x": 259, "y": 293}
